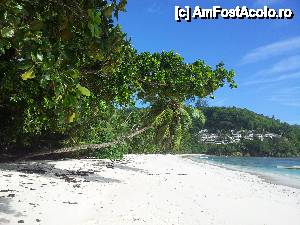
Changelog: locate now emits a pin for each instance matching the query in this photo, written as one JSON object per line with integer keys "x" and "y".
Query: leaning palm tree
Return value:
{"x": 172, "y": 123}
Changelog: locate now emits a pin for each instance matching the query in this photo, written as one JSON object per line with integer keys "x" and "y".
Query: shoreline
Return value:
{"x": 268, "y": 177}
{"x": 140, "y": 189}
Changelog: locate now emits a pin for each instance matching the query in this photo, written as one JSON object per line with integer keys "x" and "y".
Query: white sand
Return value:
{"x": 152, "y": 189}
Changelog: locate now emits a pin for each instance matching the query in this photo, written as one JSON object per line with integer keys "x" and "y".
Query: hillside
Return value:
{"x": 238, "y": 119}
{"x": 235, "y": 131}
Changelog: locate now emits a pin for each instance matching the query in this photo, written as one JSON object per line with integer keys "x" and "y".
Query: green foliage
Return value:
{"x": 277, "y": 147}
{"x": 222, "y": 119}
{"x": 167, "y": 82}
{"x": 68, "y": 71}
{"x": 171, "y": 126}
{"x": 112, "y": 153}
{"x": 235, "y": 118}
{"x": 52, "y": 64}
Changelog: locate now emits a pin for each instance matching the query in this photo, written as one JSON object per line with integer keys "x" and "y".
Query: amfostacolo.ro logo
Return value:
{"x": 188, "y": 13}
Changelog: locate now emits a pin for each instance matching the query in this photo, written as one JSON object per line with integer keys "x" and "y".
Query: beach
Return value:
{"x": 141, "y": 189}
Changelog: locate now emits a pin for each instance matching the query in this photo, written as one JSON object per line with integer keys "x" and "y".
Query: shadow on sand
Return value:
{"x": 49, "y": 169}
{"x": 6, "y": 209}
{"x": 76, "y": 173}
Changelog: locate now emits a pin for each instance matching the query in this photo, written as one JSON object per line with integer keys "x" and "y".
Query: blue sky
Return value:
{"x": 265, "y": 54}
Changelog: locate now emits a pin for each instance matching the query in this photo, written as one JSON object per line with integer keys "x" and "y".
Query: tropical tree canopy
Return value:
{"x": 68, "y": 62}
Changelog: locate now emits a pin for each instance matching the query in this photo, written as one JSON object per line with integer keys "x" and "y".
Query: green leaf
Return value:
{"x": 108, "y": 11}
{"x": 28, "y": 74}
{"x": 7, "y": 32}
{"x": 19, "y": 7}
{"x": 39, "y": 56}
{"x": 72, "y": 117}
{"x": 92, "y": 29}
{"x": 97, "y": 18}
{"x": 83, "y": 90}
{"x": 233, "y": 85}
{"x": 74, "y": 73}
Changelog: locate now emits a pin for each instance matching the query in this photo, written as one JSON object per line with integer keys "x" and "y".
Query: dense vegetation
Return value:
{"x": 221, "y": 119}
{"x": 234, "y": 118}
{"x": 70, "y": 80}
{"x": 70, "y": 76}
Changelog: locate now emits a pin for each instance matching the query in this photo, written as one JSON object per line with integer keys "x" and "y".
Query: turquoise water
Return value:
{"x": 285, "y": 171}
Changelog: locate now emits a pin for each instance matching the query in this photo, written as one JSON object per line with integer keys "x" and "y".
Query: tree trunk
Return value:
{"x": 119, "y": 141}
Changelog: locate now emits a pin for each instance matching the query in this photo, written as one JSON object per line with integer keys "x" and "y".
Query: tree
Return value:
{"x": 53, "y": 60}
{"x": 65, "y": 64}
{"x": 167, "y": 82}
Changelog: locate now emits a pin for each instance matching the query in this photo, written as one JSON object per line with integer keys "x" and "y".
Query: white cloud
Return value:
{"x": 286, "y": 65}
{"x": 271, "y": 50}
{"x": 289, "y": 76}
{"x": 287, "y": 96}
{"x": 285, "y": 69}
